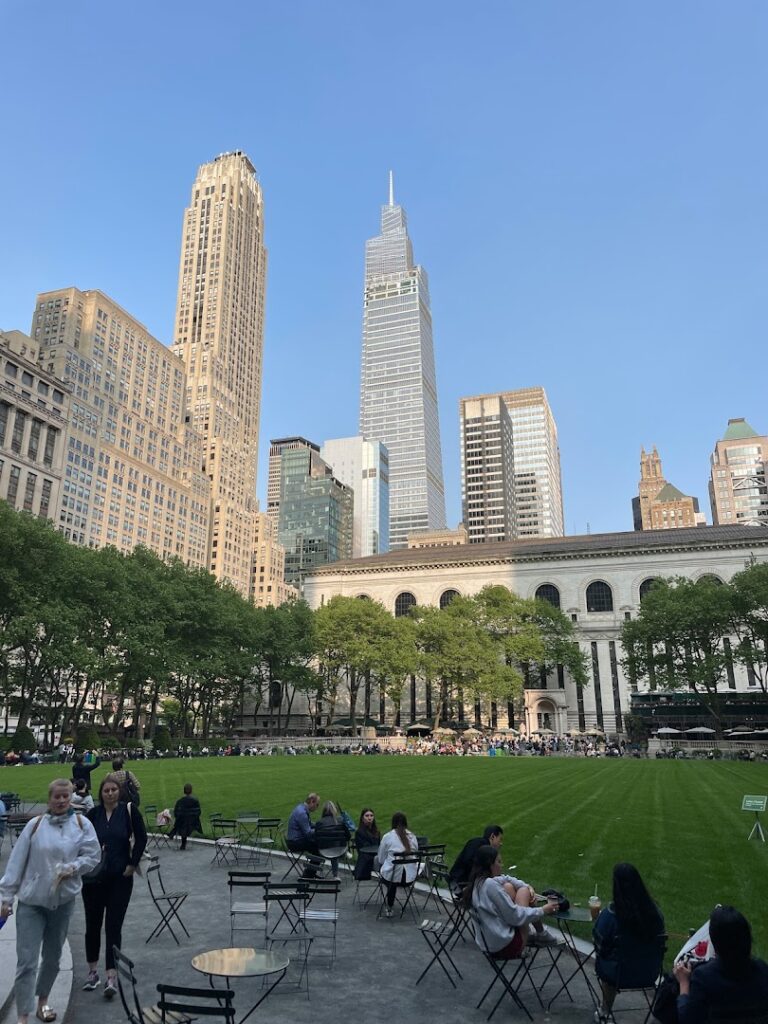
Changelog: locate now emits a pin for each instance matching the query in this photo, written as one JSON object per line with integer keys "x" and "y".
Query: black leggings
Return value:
{"x": 392, "y": 889}
{"x": 111, "y": 897}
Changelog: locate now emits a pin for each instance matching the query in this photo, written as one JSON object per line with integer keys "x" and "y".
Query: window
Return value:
{"x": 29, "y": 492}
{"x": 18, "y": 431}
{"x": 403, "y": 604}
{"x": 447, "y": 596}
{"x": 363, "y": 597}
{"x": 45, "y": 499}
{"x": 4, "y": 407}
{"x": 709, "y": 577}
{"x": 548, "y": 592}
{"x": 646, "y": 587}
{"x": 599, "y": 597}
{"x": 13, "y": 486}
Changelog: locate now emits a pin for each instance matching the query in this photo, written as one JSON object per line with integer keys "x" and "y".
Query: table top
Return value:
{"x": 579, "y": 914}
{"x": 240, "y": 963}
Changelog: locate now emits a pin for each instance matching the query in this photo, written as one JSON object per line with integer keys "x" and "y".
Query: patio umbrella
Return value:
{"x": 700, "y": 730}
{"x": 444, "y": 732}
{"x": 544, "y": 732}
{"x": 668, "y": 731}
{"x": 419, "y": 728}
{"x": 472, "y": 732}
{"x": 594, "y": 732}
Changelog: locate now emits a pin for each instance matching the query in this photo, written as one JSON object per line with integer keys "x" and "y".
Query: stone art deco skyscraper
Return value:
{"x": 398, "y": 393}
{"x": 220, "y": 336}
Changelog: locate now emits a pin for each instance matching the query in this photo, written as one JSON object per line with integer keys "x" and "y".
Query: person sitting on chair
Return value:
{"x": 300, "y": 834}
{"x": 503, "y": 909}
{"x": 733, "y": 980}
{"x": 397, "y": 841}
{"x": 331, "y": 833}
{"x": 459, "y": 874}
{"x": 366, "y": 837}
{"x": 186, "y": 816}
{"x": 629, "y": 938}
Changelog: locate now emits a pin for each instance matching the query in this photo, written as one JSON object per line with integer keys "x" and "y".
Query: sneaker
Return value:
{"x": 600, "y": 1017}
{"x": 546, "y": 938}
{"x": 92, "y": 981}
{"x": 110, "y": 989}
{"x": 388, "y": 911}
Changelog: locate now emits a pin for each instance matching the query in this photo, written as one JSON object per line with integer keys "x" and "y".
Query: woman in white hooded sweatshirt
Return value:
{"x": 44, "y": 871}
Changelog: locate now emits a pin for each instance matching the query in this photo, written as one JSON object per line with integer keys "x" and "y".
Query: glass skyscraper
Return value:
{"x": 398, "y": 393}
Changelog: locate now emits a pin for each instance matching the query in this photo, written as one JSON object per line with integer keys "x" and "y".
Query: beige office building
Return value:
{"x": 219, "y": 335}
{"x": 738, "y": 486}
{"x": 34, "y": 408}
{"x": 132, "y": 466}
{"x": 269, "y": 586}
{"x": 510, "y": 466}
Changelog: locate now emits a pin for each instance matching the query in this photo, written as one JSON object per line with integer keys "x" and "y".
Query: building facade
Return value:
{"x": 316, "y": 514}
{"x": 276, "y": 448}
{"x": 487, "y": 469}
{"x": 34, "y": 411}
{"x": 538, "y": 479}
{"x": 269, "y": 586}
{"x": 398, "y": 392}
{"x": 738, "y": 485}
{"x": 597, "y": 581}
{"x": 363, "y": 466}
{"x": 219, "y": 335}
{"x": 659, "y": 505}
{"x": 132, "y": 464}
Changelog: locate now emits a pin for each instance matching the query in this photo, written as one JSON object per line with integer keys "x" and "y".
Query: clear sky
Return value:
{"x": 585, "y": 182}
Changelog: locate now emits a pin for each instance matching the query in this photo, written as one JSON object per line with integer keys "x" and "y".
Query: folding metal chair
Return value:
{"x": 198, "y": 1002}
{"x": 319, "y": 891}
{"x": 403, "y": 889}
{"x": 335, "y": 846}
{"x": 520, "y": 974}
{"x": 295, "y": 857}
{"x": 266, "y": 838}
{"x": 659, "y": 948}
{"x": 127, "y": 986}
{"x": 240, "y": 882}
{"x": 159, "y": 834}
{"x": 226, "y": 841}
{"x": 436, "y": 875}
{"x": 286, "y": 907}
{"x": 438, "y": 936}
{"x": 166, "y": 903}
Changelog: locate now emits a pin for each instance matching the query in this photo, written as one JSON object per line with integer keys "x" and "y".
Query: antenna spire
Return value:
{"x": 391, "y": 188}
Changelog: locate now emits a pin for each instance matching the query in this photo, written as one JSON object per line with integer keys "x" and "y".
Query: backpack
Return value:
{"x": 131, "y": 789}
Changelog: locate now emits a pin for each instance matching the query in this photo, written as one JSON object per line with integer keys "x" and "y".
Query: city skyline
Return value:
{"x": 589, "y": 193}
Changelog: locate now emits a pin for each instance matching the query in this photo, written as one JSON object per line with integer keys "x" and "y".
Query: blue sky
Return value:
{"x": 586, "y": 184}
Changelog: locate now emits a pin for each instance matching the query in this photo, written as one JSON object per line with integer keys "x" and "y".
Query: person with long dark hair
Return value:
{"x": 397, "y": 841}
{"x": 733, "y": 980}
{"x": 629, "y": 938}
{"x": 503, "y": 909}
{"x": 123, "y": 837}
{"x": 367, "y": 836}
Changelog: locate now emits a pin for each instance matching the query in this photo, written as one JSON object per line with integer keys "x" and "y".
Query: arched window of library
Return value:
{"x": 363, "y": 597}
{"x": 548, "y": 592}
{"x": 709, "y": 577}
{"x": 403, "y": 604}
{"x": 646, "y": 587}
{"x": 599, "y": 597}
{"x": 447, "y": 596}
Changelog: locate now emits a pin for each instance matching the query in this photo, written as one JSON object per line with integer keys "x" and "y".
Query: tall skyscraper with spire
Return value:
{"x": 219, "y": 334}
{"x": 398, "y": 392}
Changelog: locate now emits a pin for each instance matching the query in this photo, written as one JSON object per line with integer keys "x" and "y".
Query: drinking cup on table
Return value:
{"x": 595, "y": 903}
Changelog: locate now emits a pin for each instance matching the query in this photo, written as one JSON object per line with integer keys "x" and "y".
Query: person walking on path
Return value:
{"x": 129, "y": 785}
{"x": 45, "y": 870}
{"x": 186, "y": 816}
{"x": 123, "y": 837}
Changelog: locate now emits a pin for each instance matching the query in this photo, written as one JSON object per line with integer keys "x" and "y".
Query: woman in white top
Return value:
{"x": 44, "y": 871}
{"x": 397, "y": 841}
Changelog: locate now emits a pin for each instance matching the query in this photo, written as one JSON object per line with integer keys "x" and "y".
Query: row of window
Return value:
{"x": 599, "y": 595}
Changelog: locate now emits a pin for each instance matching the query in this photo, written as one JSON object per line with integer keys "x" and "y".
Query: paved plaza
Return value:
{"x": 374, "y": 974}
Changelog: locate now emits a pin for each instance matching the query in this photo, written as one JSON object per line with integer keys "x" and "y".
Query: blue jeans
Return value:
{"x": 38, "y": 927}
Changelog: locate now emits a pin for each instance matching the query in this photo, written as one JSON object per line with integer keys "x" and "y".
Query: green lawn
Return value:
{"x": 566, "y": 821}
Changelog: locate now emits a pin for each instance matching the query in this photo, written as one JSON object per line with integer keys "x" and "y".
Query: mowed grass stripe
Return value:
{"x": 566, "y": 821}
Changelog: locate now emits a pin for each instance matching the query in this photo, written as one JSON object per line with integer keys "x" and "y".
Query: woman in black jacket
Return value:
{"x": 122, "y": 837}
{"x": 186, "y": 816}
{"x": 367, "y": 837}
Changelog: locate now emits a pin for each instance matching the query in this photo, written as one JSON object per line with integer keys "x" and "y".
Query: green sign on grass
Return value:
{"x": 754, "y": 803}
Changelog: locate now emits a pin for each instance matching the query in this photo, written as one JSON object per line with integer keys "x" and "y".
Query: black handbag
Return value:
{"x": 665, "y": 1002}
{"x": 97, "y": 874}
{"x": 563, "y": 902}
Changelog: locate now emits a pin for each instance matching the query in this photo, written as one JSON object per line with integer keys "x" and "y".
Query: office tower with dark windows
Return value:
{"x": 315, "y": 521}
{"x": 364, "y": 466}
{"x": 277, "y": 446}
{"x": 219, "y": 334}
{"x": 398, "y": 394}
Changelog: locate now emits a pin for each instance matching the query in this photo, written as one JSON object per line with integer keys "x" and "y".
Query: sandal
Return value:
{"x": 45, "y": 1013}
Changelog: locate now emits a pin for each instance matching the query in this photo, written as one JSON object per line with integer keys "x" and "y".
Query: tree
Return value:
{"x": 750, "y": 620}
{"x": 678, "y": 638}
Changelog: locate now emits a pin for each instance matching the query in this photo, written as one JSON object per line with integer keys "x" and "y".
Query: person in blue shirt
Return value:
{"x": 733, "y": 980}
{"x": 300, "y": 835}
